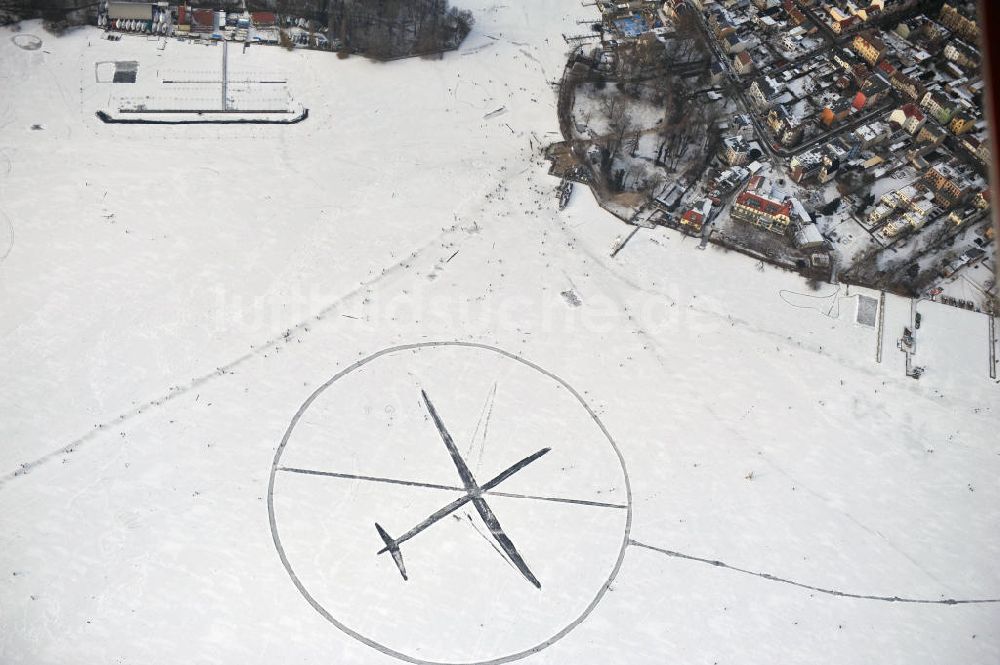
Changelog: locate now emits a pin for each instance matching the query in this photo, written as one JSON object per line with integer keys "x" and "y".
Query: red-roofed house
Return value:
{"x": 762, "y": 212}
{"x": 697, "y": 216}
{"x": 859, "y": 101}
{"x": 263, "y": 19}
{"x": 743, "y": 63}
{"x": 886, "y": 68}
{"x": 845, "y": 24}
{"x": 909, "y": 117}
{"x": 202, "y": 20}
{"x": 755, "y": 183}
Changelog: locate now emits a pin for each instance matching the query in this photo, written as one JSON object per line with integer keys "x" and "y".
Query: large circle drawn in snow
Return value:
{"x": 396, "y": 439}
{"x": 27, "y": 42}
{"x": 6, "y": 236}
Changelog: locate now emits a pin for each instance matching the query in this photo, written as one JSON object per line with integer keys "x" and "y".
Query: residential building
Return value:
{"x": 869, "y": 46}
{"x": 977, "y": 147}
{"x": 845, "y": 24}
{"x": 962, "y": 54}
{"x": 901, "y": 197}
{"x": 909, "y": 117}
{"x": 886, "y": 68}
{"x": 875, "y": 88}
{"x": 844, "y": 59}
{"x": 735, "y": 150}
{"x": 764, "y": 91}
{"x": 957, "y": 21}
{"x": 696, "y": 217}
{"x": 743, "y": 63}
{"x": 743, "y": 126}
{"x": 931, "y": 133}
{"x": 841, "y": 109}
{"x": 806, "y": 165}
{"x": 947, "y": 182}
{"x": 938, "y": 105}
{"x": 834, "y": 155}
{"x": 786, "y": 126}
{"x": 879, "y": 213}
{"x": 982, "y": 200}
{"x": 762, "y": 212}
{"x": 909, "y": 87}
{"x": 918, "y": 212}
{"x": 807, "y": 236}
{"x": 961, "y": 123}
{"x": 871, "y": 134}
{"x": 733, "y": 44}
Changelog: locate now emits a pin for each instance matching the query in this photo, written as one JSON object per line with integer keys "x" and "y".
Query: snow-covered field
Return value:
{"x": 171, "y": 297}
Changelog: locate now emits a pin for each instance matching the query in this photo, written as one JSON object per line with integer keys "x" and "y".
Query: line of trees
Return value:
{"x": 57, "y": 14}
{"x": 397, "y": 28}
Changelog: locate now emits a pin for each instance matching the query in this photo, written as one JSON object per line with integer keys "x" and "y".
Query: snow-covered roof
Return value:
{"x": 800, "y": 210}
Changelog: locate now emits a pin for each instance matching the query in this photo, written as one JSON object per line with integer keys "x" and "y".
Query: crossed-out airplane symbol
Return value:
{"x": 474, "y": 494}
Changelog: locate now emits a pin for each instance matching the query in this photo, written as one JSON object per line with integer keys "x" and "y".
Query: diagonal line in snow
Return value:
{"x": 452, "y": 488}
{"x": 831, "y": 592}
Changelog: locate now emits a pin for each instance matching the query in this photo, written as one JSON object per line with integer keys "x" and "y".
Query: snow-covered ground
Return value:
{"x": 170, "y": 297}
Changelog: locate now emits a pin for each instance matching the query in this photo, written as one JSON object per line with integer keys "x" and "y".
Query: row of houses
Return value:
{"x": 183, "y": 20}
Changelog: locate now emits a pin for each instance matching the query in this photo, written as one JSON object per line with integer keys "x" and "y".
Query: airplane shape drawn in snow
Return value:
{"x": 473, "y": 494}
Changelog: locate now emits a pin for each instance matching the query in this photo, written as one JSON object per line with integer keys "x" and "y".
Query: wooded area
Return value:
{"x": 381, "y": 29}
{"x": 397, "y": 28}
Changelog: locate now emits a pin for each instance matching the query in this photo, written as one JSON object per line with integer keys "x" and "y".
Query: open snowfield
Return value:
{"x": 213, "y": 342}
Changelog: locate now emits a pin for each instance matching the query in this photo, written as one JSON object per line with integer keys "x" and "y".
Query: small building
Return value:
{"x": 203, "y": 20}
{"x": 131, "y": 11}
{"x": 696, "y": 217}
{"x": 264, "y": 19}
{"x": 733, "y": 44}
{"x": 807, "y": 236}
{"x": 743, "y": 126}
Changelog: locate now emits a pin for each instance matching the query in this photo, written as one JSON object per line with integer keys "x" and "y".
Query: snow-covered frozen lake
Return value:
{"x": 175, "y": 302}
